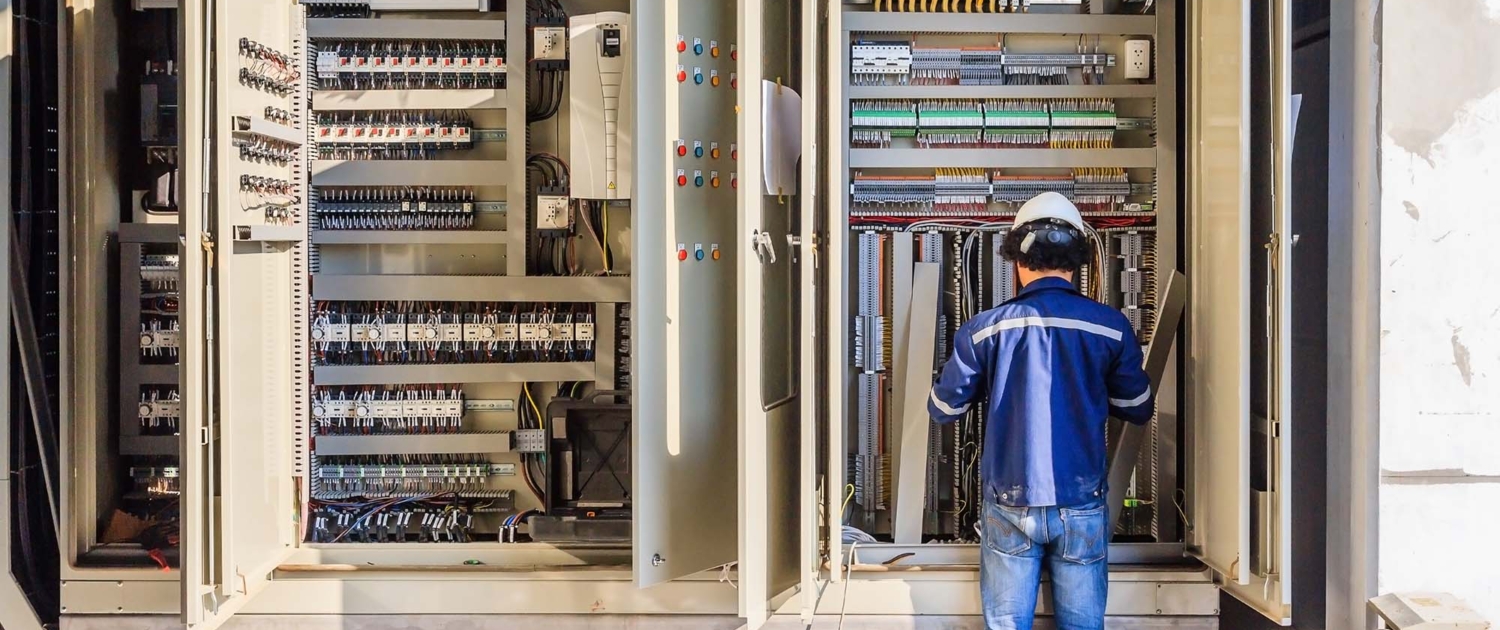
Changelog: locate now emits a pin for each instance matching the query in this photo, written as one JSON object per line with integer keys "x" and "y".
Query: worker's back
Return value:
{"x": 1051, "y": 366}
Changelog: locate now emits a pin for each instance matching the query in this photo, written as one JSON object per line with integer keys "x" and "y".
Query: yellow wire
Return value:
{"x": 526, "y": 389}
{"x": 847, "y": 497}
{"x": 606, "y": 237}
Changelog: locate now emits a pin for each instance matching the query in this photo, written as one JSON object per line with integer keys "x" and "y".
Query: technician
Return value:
{"x": 1051, "y": 367}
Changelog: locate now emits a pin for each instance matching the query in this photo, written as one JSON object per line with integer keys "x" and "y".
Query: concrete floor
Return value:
{"x": 603, "y": 622}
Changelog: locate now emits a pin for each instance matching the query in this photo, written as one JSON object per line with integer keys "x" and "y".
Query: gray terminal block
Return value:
{"x": 531, "y": 441}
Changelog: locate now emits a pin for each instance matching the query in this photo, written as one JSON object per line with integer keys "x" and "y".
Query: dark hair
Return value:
{"x": 1045, "y": 255}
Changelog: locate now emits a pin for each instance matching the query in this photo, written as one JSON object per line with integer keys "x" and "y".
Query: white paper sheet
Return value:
{"x": 781, "y": 138}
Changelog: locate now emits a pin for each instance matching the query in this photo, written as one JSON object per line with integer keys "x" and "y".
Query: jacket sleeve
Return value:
{"x": 963, "y": 380}
{"x": 1130, "y": 395}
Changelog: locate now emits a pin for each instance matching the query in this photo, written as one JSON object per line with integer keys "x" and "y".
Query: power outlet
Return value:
{"x": 553, "y": 213}
{"x": 1138, "y": 59}
{"x": 550, "y": 42}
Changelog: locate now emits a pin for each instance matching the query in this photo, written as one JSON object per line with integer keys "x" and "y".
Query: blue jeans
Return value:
{"x": 1073, "y": 544}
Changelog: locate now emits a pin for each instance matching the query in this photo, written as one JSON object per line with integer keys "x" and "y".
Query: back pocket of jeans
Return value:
{"x": 1084, "y": 539}
{"x": 1001, "y": 534}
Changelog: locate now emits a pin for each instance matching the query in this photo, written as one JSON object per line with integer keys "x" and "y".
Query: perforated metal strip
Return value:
{"x": 300, "y": 269}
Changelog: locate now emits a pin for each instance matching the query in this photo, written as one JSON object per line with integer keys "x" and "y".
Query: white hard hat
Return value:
{"x": 1050, "y": 205}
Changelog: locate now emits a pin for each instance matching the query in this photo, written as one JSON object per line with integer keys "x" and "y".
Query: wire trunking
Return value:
{"x": 450, "y": 297}
{"x": 953, "y": 116}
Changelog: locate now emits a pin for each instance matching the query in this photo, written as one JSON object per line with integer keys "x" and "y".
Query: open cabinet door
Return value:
{"x": 1265, "y": 583}
{"x": 1219, "y": 260}
{"x": 685, "y": 352}
{"x": 770, "y": 38}
{"x": 238, "y": 506}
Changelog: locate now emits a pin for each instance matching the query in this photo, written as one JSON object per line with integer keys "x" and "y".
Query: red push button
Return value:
{"x": 681, "y": 254}
{"x": 681, "y": 44}
{"x": 682, "y": 180}
{"x": 681, "y": 149}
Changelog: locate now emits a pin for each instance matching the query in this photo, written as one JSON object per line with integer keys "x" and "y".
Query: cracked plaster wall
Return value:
{"x": 1440, "y": 299}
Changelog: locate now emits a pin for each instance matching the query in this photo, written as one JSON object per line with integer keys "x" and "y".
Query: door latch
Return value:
{"x": 793, "y": 242}
{"x": 764, "y": 248}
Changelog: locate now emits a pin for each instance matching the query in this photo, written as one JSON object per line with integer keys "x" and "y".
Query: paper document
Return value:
{"x": 781, "y": 137}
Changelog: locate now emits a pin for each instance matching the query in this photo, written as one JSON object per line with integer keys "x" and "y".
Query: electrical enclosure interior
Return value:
{"x": 531, "y": 290}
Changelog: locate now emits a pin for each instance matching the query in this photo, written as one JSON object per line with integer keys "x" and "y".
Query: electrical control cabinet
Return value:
{"x": 942, "y": 119}
{"x": 427, "y": 327}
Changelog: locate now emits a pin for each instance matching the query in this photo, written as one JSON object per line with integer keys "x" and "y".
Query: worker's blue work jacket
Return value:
{"x": 1054, "y": 365}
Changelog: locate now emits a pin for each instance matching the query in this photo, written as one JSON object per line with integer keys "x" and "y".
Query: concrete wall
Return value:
{"x": 1440, "y": 300}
